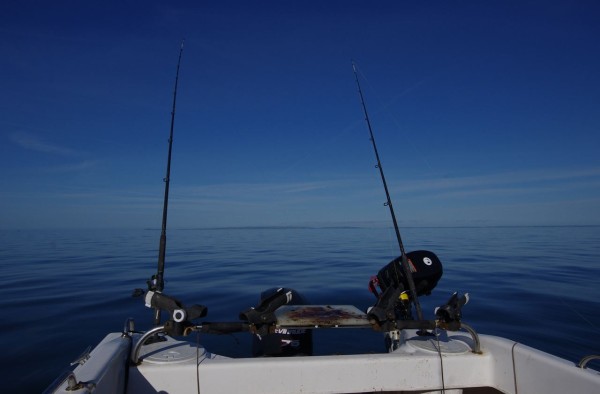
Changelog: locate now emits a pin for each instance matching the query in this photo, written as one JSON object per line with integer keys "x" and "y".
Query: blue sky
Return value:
{"x": 485, "y": 113}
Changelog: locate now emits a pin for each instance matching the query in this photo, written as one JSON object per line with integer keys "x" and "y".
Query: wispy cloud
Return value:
{"x": 35, "y": 143}
{"x": 515, "y": 181}
{"x": 253, "y": 190}
{"x": 73, "y": 167}
{"x": 484, "y": 189}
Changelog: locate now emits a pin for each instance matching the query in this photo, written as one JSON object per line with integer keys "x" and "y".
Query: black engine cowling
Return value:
{"x": 281, "y": 341}
{"x": 426, "y": 270}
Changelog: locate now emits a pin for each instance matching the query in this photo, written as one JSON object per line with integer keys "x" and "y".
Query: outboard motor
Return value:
{"x": 426, "y": 270}
{"x": 394, "y": 301}
{"x": 282, "y": 342}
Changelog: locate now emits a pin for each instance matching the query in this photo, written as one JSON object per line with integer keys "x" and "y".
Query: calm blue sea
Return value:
{"x": 63, "y": 290}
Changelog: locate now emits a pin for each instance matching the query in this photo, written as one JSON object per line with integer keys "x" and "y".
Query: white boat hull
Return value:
{"x": 417, "y": 366}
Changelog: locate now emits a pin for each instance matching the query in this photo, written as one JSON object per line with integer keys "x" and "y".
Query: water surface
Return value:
{"x": 64, "y": 290}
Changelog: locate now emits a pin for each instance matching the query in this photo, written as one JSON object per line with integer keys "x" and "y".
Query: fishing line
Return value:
{"x": 391, "y": 240}
{"x": 198, "y": 359}
{"x": 384, "y": 106}
{"x": 439, "y": 349}
{"x": 512, "y": 352}
{"x": 579, "y": 314}
{"x": 396, "y": 97}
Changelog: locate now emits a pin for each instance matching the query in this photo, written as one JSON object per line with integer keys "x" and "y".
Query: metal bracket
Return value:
{"x": 582, "y": 364}
{"x": 470, "y": 330}
{"x": 83, "y": 357}
{"x": 136, "y": 350}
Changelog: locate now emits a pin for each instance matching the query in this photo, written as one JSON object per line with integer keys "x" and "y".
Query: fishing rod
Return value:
{"x": 158, "y": 281}
{"x": 405, "y": 264}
